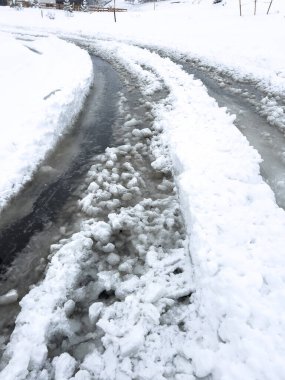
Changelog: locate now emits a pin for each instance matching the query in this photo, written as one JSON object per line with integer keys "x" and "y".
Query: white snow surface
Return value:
{"x": 235, "y": 325}
{"x": 236, "y": 229}
{"x": 248, "y": 46}
{"x": 43, "y": 87}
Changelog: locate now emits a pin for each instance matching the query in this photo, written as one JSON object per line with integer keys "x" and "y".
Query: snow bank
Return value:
{"x": 44, "y": 312}
{"x": 43, "y": 86}
{"x": 236, "y": 229}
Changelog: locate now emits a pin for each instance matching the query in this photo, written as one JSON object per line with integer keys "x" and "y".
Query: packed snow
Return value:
{"x": 43, "y": 86}
{"x": 130, "y": 296}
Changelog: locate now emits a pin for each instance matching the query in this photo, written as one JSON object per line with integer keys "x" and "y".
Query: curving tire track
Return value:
{"x": 129, "y": 306}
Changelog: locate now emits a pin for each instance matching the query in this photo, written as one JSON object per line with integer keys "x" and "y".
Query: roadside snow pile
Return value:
{"x": 43, "y": 86}
{"x": 237, "y": 231}
{"x": 41, "y": 318}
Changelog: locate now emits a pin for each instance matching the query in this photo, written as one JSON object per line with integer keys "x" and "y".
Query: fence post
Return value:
{"x": 269, "y": 7}
{"x": 115, "y": 10}
{"x": 240, "y": 7}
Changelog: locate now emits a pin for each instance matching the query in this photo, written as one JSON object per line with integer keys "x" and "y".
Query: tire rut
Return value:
{"x": 260, "y": 115}
{"x": 129, "y": 213}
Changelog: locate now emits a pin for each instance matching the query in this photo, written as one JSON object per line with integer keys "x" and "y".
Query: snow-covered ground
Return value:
{"x": 43, "y": 87}
{"x": 245, "y": 46}
{"x": 233, "y": 327}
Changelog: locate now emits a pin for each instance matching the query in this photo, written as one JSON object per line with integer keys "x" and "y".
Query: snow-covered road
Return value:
{"x": 129, "y": 211}
{"x": 49, "y": 202}
{"x": 129, "y": 297}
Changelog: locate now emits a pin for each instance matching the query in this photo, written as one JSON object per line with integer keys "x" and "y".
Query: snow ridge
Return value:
{"x": 236, "y": 229}
{"x": 39, "y": 117}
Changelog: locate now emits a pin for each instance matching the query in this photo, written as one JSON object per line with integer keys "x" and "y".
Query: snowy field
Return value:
{"x": 232, "y": 318}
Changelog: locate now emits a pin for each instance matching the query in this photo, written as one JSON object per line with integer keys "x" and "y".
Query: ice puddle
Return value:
{"x": 116, "y": 294}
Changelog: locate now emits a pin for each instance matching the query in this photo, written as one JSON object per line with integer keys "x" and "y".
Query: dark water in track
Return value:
{"x": 46, "y": 210}
{"x": 58, "y": 177}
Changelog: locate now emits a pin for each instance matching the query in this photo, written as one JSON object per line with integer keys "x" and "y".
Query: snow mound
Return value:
{"x": 46, "y": 96}
{"x": 237, "y": 231}
{"x": 43, "y": 313}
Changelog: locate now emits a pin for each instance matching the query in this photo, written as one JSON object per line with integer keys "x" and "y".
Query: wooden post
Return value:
{"x": 115, "y": 10}
{"x": 269, "y": 6}
{"x": 240, "y": 7}
{"x": 255, "y": 7}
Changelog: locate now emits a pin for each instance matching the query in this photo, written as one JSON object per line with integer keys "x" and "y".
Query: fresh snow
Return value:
{"x": 233, "y": 261}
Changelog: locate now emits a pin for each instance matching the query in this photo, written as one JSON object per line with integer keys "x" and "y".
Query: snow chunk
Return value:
{"x": 153, "y": 293}
{"x": 102, "y": 232}
{"x": 82, "y": 375}
{"x": 69, "y": 308}
{"x": 162, "y": 164}
{"x": 64, "y": 366}
{"x": 131, "y": 123}
{"x": 142, "y": 133}
{"x": 126, "y": 266}
{"x": 93, "y": 187}
{"x": 113, "y": 259}
{"x": 127, "y": 287}
{"x": 94, "y": 364}
{"x": 94, "y": 311}
{"x": 108, "y": 279}
{"x": 130, "y": 344}
{"x": 108, "y": 248}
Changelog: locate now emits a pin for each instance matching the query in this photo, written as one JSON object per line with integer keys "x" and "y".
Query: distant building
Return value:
{"x": 3, "y": 2}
